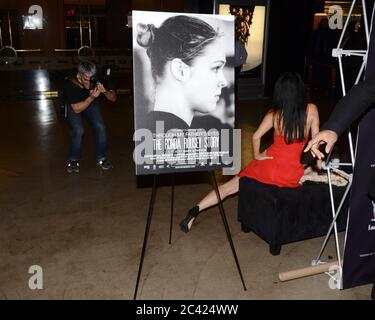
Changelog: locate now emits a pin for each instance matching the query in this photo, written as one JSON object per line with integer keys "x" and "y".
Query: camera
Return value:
{"x": 101, "y": 77}
{"x": 93, "y": 83}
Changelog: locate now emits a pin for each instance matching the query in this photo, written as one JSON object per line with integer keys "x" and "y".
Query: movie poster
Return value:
{"x": 183, "y": 92}
{"x": 250, "y": 26}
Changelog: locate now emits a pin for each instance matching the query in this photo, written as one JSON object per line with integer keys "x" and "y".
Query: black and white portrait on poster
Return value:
{"x": 183, "y": 91}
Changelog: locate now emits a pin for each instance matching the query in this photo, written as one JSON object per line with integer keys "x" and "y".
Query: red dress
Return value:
{"x": 284, "y": 170}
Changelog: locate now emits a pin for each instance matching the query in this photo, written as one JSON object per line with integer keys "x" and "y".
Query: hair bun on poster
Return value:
{"x": 146, "y": 34}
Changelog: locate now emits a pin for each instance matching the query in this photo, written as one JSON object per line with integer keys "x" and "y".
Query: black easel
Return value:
{"x": 148, "y": 223}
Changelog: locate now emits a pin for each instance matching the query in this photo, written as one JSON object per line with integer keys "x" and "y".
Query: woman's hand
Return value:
{"x": 263, "y": 156}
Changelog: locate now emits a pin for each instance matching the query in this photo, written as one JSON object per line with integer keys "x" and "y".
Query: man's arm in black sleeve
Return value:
{"x": 351, "y": 106}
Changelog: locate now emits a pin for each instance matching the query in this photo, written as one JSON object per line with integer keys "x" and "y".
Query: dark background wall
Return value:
{"x": 117, "y": 34}
{"x": 159, "y": 5}
{"x": 290, "y": 27}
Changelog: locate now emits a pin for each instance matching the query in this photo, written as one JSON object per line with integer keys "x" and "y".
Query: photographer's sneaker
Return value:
{"x": 73, "y": 166}
{"x": 104, "y": 164}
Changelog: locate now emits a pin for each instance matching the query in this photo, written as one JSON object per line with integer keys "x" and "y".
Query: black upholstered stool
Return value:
{"x": 283, "y": 215}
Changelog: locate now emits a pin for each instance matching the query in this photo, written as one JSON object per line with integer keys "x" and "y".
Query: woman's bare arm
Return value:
{"x": 314, "y": 119}
{"x": 264, "y": 127}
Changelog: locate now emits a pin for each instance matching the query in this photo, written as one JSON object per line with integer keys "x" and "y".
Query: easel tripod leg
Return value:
{"x": 226, "y": 226}
{"x": 150, "y": 210}
{"x": 172, "y": 207}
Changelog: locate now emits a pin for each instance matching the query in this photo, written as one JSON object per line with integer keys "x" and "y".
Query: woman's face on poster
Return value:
{"x": 203, "y": 88}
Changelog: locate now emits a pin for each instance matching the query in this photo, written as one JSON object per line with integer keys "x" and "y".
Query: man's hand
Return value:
{"x": 326, "y": 136}
{"x": 109, "y": 94}
{"x": 101, "y": 87}
{"x": 94, "y": 93}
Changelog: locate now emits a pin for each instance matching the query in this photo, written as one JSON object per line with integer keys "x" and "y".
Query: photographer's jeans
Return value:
{"x": 92, "y": 113}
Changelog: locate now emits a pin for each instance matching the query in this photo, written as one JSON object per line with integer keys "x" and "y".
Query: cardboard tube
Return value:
{"x": 309, "y": 271}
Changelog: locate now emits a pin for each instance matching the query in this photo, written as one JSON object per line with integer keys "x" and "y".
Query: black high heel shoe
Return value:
{"x": 184, "y": 224}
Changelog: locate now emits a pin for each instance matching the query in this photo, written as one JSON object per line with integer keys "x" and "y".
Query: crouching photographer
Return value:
{"x": 81, "y": 97}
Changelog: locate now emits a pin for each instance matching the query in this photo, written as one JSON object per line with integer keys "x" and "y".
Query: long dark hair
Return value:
{"x": 180, "y": 36}
{"x": 289, "y": 101}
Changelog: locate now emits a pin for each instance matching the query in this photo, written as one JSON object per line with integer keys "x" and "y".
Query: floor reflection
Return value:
{"x": 46, "y": 113}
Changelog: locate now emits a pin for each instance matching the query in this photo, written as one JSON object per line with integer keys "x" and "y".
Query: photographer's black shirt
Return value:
{"x": 74, "y": 92}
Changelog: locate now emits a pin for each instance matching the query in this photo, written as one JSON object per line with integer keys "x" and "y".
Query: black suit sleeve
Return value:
{"x": 352, "y": 106}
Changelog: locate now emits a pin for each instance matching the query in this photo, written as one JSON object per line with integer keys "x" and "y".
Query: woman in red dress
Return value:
{"x": 293, "y": 120}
